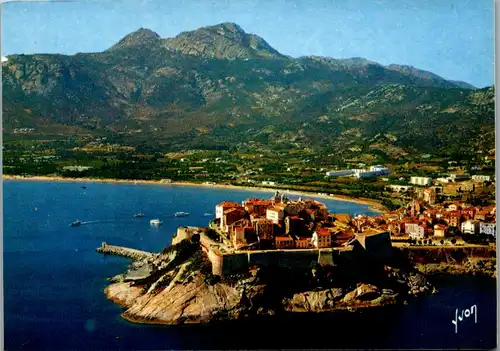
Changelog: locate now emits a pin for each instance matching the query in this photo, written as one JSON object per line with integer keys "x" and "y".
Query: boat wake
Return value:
{"x": 99, "y": 221}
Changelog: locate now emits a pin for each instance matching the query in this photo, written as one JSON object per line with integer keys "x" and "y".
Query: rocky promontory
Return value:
{"x": 176, "y": 286}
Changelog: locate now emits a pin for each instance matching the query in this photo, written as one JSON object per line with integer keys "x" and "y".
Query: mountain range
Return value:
{"x": 219, "y": 87}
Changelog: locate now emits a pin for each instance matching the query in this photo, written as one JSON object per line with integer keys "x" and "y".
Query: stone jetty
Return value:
{"x": 124, "y": 252}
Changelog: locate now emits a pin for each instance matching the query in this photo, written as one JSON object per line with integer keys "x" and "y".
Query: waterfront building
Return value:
{"x": 414, "y": 230}
{"x": 322, "y": 238}
{"x": 303, "y": 242}
{"x": 488, "y": 228}
{"x": 284, "y": 242}
{"x": 440, "y": 230}
{"x": 470, "y": 227}
{"x": 223, "y": 206}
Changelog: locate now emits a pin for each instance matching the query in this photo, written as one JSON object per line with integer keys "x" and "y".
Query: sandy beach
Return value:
{"x": 373, "y": 204}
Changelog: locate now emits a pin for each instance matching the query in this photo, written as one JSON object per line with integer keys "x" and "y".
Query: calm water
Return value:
{"x": 54, "y": 280}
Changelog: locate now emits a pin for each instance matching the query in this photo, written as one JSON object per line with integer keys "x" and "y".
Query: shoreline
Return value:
{"x": 373, "y": 205}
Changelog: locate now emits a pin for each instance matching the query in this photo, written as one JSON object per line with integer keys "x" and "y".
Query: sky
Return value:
{"x": 452, "y": 38}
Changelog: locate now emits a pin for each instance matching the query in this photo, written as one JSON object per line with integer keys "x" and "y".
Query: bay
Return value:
{"x": 54, "y": 279}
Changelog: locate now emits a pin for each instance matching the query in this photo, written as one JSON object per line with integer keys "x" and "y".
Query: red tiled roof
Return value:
{"x": 228, "y": 204}
{"x": 322, "y": 231}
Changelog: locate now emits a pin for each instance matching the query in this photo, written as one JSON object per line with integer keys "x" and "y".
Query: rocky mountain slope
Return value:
{"x": 217, "y": 86}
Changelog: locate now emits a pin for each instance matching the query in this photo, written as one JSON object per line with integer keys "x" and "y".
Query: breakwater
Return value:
{"x": 123, "y": 252}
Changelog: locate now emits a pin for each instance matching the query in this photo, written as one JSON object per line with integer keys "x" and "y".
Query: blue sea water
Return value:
{"x": 54, "y": 280}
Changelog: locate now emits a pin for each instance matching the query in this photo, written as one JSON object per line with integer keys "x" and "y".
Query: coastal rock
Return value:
{"x": 313, "y": 301}
{"x": 191, "y": 302}
{"x": 123, "y": 294}
{"x": 362, "y": 293}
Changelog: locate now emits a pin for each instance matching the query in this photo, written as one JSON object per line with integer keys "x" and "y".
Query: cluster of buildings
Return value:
{"x": 280, "y": 223}
{"x": 448, "y": 219}
{"x": 372, "y": 172}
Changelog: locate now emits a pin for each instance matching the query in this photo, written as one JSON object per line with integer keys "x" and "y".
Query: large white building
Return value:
{"x": 380, "y": 169}
{"x": 424, "y": 181}
{"x": 481, "y": 178}
{"x": 470, "y": 227}
{"x": 488, "y": 228}
{"x": 367, "y": 174}
{"x": 414, "y": 230}
{"x": 341, "y": 173}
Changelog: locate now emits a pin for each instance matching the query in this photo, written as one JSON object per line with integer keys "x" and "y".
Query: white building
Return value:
{"x": 76, "y": 168}
{"x": 275, "y": 214}
{"x": 367, "y": 174}
{"x": 488, "y": 228}
{"x": 341, "y": 173}
{"x": 415, "y": 230}
{"x": 424, "y": 181}
{"x": 481, "y": 178}
{"x": 470, "y": 227}
{"x": 380, "y": 169}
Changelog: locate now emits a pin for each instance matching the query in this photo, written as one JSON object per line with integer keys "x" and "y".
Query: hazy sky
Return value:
{"x": 452, "y": 38}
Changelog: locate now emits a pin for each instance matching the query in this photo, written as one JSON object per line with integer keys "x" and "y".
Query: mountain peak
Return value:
{"x": 227, "y": 26}
{"x": 140, "y": 36}
{"x": 222, "y": 41}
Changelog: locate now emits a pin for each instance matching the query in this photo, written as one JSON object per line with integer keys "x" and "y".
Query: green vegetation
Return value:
{"x": 146, "y": 109}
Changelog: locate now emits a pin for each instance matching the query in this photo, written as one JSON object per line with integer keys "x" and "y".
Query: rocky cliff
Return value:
{"x": 178, "y": 287}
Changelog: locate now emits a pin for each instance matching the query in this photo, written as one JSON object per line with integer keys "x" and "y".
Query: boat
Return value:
{"x": 155, "y": 221}
{"x": 206, "y": 214}
{"x": 181, "y": 214}
{"x": 75, "y": 224}
{"x": 138, "y": 215}
{"x": 84, "y": 187}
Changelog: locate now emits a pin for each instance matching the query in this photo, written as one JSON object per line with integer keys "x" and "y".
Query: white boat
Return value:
{"x": 206, "y": 214}
{"x": 181, "y": 214}
{"x": 155, "y": 221}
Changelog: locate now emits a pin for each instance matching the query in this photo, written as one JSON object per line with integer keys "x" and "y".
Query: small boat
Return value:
{"x": 75, "y": 224}
{"x": 155, "y": 221}
{"x": 139, "y": 215}
{"x": 84, "y": 187}
{"x": 206, "y": 214}
{"x": 181, "y": 214}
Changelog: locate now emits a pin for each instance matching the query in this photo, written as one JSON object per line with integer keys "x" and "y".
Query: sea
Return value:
{"x": 54, "y": 280}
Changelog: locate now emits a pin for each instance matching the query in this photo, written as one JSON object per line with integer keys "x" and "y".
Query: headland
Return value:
{"x": 266, "y": 257}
